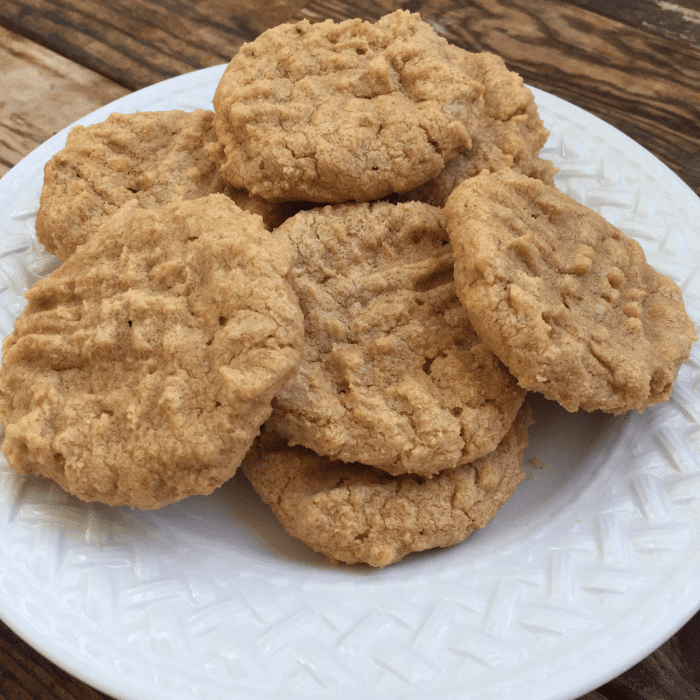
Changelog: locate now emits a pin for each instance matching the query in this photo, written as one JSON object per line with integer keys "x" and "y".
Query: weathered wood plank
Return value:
{"x": 676, "y": 19}
{"x": 140, "y": 43}
{"x": 646, "y": 85}
{"x": 40, "y": 94}
{"x": 27, "y": 675}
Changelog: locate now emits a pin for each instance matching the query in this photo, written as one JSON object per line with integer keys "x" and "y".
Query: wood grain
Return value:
{"x": 646, "y": 85}
{"x": 140, "y": 43}
{"x": 676, "y": 19}
{"x": 27, "y": 675}
{"x": 48, "y": 92}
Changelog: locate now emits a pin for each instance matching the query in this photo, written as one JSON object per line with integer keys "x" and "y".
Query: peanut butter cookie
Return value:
{"x": 141, "y": 369}
{"x": 332, "y": 112}
{"x": 565, "y": 299}
{"x": 150, "y": 158}
{"x": 509, "y": 136}
{"x": 353, "y": 513}
{"x": 393, "y": 374}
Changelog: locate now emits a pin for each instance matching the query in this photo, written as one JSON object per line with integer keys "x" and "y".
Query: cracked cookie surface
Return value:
{"x": 147, "y": 158}
{"x": 352, "y": 513}
{"x": 509, "y": 136}
{"x": 393, "y": 374}
{"x": 333, "y": 113}
{"x": 141, "y": 369}
{"x": 563, "y": 297}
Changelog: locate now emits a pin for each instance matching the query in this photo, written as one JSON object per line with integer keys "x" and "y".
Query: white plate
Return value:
{"x": 592, "y": 564}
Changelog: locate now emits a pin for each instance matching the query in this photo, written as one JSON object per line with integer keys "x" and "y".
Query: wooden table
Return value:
{"x": 634, "y": 63}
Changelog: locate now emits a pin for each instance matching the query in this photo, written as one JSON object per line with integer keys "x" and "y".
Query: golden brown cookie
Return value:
{"x": 510, "y": 134}
{"x": 566, "y": 300}
{"x": 339, "y": 112}
{"x": 150, "y": 158}
{"x": 393, "y": 374}
{"x": 353, "y": 513}
{"x": 141, "y": 369}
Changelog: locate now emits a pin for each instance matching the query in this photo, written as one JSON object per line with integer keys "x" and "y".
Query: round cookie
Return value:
{"x": 141, "y": 369}
{"x": 510, "y": 132}
{"x": 393, "y": 374}
{"x": 150, "y": 158}
{"x": 352, "y": 513}
{"x": 565, "y": 299}
{"x": 332, "y": 112}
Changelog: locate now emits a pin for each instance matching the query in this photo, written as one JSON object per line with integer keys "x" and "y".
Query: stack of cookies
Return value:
{"x": 343, "y": 279}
